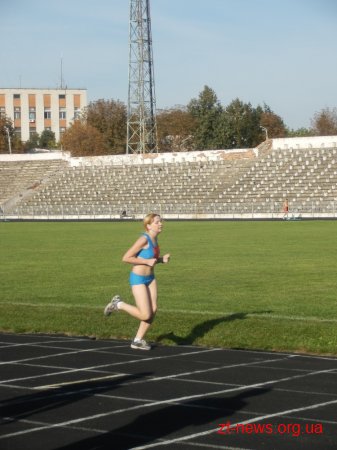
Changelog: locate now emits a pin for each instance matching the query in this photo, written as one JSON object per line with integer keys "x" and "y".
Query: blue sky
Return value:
{"x": 279, "y": 52}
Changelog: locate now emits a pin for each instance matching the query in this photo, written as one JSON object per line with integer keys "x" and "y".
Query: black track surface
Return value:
{"x": 69, "y": 393}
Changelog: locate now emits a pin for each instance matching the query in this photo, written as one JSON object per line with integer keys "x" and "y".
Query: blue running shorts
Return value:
{"x": 140, "y": 279}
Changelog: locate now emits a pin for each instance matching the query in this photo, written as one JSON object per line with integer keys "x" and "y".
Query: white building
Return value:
{"x": 36, "y": 110}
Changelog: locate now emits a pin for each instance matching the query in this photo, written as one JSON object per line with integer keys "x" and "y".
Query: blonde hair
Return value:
{"x": 148, "y": 219}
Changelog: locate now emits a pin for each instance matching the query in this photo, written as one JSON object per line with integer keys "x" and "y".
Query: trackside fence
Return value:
{"x": 312, "y": 209}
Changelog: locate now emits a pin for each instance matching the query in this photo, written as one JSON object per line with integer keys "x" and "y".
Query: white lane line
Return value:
{"x": 33, "y": 344}
{"x": 148, "y": 379}
{"x": 83, "y": 369}
{"x": 48, "y": 366}
{"x": 35, "y": 377}
{"x": 35, "y": 422}
{"x": 36, "y": 358}
{"x": 38, "y": 336}
{"x": 76, "y": 349}
{"x": 87, "y": 380}
{"x": 122, "y": 346}
{"x": 234, "y": 425}
{"x": 151, "y": 379}
{"x": 246, "y": 351}
{"x": 210, "y": 369}
{"x": 45, "y": 345}
{"x": 295, "y": 391}
{"x": 181, "y": 400}
{"x": 195, "y": 444}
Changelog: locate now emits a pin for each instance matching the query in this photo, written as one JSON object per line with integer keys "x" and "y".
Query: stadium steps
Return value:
{"x": 307, "y": 177}
{"x": 288, "y": 173}
{"x": 20, "y": 180}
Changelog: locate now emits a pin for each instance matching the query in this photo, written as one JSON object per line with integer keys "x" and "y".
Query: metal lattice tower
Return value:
{"x": 141, "y": 119}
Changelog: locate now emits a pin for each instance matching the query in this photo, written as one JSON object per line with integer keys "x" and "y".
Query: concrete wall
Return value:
{"x": 179, "y": 157}
{"x": 304, "y": 142}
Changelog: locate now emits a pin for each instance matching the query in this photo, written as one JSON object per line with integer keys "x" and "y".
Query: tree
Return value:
{"x": 300, "y": 132}
{"x": 272, "y": 122}
{"x": 109, "y": 118}
{"x": 17, "y": 144}
{"x": 175, "y": 129}
{"x": 33, "y": 142}
{"x": 82, "y": 139}
{"x": 6, "y": 128}
{"x": 47, "y": 139}
{"x": 207, "y": 113}
{"x": 324, "y": 122}
{"x": 241, "y": 125}
{"x": 236, "y": 126}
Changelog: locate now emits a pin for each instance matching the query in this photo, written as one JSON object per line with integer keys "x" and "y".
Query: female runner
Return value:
{"x": 143, "y": 255}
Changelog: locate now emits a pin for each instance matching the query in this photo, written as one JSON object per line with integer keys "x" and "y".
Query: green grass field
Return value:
{"x": 257, "y": 285}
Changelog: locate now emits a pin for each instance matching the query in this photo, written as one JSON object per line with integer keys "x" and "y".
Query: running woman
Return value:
{"x": 143, "y": 255}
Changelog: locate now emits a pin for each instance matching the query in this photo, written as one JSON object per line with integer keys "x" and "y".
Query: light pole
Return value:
{"x": 9, "y": 140}
{"x": 265, "y": 130}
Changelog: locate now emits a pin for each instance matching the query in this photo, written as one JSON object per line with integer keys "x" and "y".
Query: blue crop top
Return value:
{"x": 150, "y": 252}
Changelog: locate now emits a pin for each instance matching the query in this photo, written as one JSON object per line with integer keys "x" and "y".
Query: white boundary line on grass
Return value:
{"x": 184, "y": 311}
{"x": 181, "y": 400}
{"x": 252, "y": 314}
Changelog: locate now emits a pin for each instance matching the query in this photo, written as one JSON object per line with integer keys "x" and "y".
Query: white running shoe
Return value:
{"x": 112, "y": 305}
{"x": 140, "y": 345}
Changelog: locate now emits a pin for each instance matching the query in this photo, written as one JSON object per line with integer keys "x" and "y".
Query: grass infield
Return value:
{"x": 256, "y": 285}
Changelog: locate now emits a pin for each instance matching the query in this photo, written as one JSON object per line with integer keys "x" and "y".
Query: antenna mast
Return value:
{"x": 61, "y": 75}
{"x": 141, "y": 115}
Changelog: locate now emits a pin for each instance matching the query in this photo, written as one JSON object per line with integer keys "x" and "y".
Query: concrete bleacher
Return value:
{"x": 307, "y": 177}
{"x": 110, "y": 189}
{"x": 195, "y": 184}
{"x": 21, "y": 178}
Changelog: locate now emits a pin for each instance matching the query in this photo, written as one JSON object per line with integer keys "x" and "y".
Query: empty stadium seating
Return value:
{"x": 234, "y": 185}
{"x": 21, "y": 178}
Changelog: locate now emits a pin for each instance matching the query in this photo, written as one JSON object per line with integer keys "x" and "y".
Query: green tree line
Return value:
{"x": 202, "y": 124}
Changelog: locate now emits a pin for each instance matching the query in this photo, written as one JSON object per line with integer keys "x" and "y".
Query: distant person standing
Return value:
{"x": 285, "y": 208}
{"x": 143, "y": 255}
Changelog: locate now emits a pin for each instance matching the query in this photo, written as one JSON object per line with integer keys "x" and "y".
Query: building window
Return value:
{"x": 17, "y": 132}
{"x": 62, "y": 114}
{"x": 47, "y": 128}
{"x": 16, "y": 95}
{"x": 62, "y": 96}
{"x": 17, "y": 113}
{"x": 77, "y": 113}
{"x": 62, "y": 130}
{"x": 47, "y": 114}
{"x": 2, "y": 111}
{"x": 32, "y": 114}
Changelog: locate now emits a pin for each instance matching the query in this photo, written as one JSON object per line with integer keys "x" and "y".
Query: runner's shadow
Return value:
{"x": 163, "y": 423}
{"x": 201, "y": 329}
{"x": 40, "y": 402}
